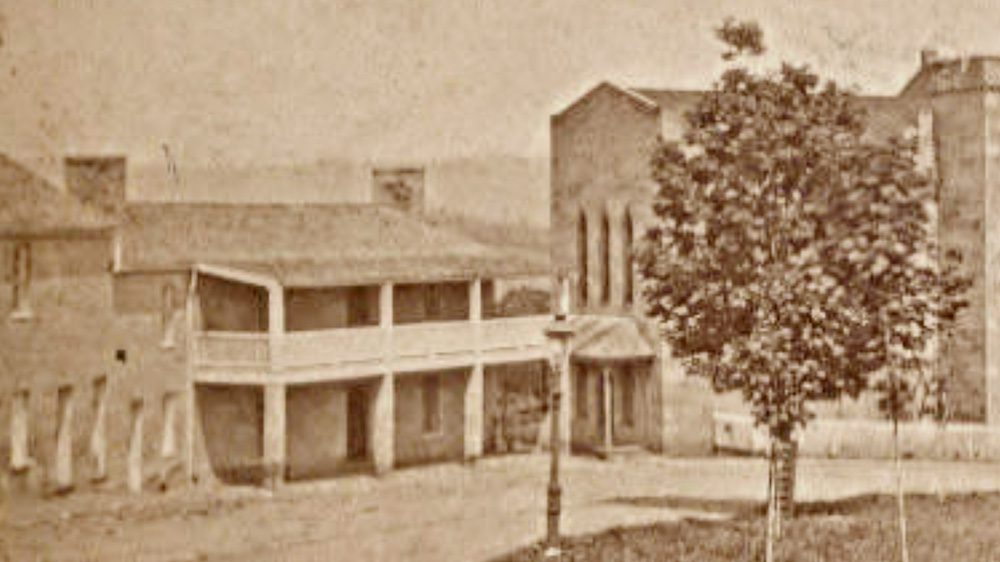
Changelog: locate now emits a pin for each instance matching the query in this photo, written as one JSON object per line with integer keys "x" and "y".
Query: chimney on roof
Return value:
{"x": 399, "y": 187}
{"x": 928, "y": 57}
{"x": 97, "y": 180}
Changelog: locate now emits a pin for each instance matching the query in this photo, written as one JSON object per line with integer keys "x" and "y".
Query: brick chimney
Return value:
{"x": 400, "y": 187}
{"x": 928, "y": 57}
{"x": 97, "y": 180}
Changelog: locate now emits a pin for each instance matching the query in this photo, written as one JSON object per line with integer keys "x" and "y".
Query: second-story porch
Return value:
{"x": 251, "y": 329}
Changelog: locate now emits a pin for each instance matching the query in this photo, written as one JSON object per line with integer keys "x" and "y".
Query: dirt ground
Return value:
{"x": 438, "y": 513}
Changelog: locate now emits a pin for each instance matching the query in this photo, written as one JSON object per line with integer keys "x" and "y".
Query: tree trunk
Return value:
{"x": 770, "y": 525}
{"x": 904, "y": 554}
{"x": 787, "y": 455}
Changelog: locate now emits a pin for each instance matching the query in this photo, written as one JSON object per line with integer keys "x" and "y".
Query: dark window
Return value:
{"x": 628, "y": 396}
{"x": 433, "y": 302}
{"x": 629, "y": 259}
{"x": 581, "y": 392}
{"x": 581, "y": 256}
{"x": 605, "y": 253}
{"x": 431, "y": 389}
{"x": 21, "y": 275}
{"x": 363, "y": 306}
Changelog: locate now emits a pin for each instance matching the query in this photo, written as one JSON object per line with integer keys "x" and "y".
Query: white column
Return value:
{"x": 192, "y": 307}
{"x": 385, "y": 318}
{"x": 476, "y": 300}
{"x": 384, "y": 424}
{"x": 474, "y": 413}
{"x": 474, "y": 388}
{"x": 608, "y": 410}
{"x": 274, "y": 431}
{"x": 567, "y": 402}
{"x": 383, "y": 410}
{"x": 20, "y": 459}
{"x": 275, "y": 322}
{"x": 135, "y": 447}
{"x": 64, "y": 439}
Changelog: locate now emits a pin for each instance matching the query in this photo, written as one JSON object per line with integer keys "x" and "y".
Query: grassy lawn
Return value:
{"x": 952, "y": 529}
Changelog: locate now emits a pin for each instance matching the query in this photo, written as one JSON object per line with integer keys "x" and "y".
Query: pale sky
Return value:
{"x": 235, "y": 81}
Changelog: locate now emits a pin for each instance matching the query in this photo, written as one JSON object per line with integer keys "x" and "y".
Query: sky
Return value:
{"x": 244, "y": 81}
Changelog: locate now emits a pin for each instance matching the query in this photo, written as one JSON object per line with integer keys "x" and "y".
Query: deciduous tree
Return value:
{"x": 792, "y": 260}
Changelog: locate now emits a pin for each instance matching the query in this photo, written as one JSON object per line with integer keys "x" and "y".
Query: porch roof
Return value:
{"x": 602, "y": 338}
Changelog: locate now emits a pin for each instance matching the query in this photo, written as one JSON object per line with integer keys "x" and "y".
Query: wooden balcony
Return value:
{"x": 313, "y": 356}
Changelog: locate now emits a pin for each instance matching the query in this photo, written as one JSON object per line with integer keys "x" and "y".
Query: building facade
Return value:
{"x": 601, "y": 191}
{"x": 246, "y": 343}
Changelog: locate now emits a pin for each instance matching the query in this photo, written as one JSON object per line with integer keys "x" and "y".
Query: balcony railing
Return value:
{"x": 348, "y": 349}
{"x": 232, "y": 349}
{"x": 325, "y": 347}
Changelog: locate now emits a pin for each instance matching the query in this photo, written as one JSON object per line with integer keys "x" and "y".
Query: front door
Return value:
{"x": 357, "y": 423}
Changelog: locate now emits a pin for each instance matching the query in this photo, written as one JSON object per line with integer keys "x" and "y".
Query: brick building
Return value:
{"x": 600, "y": 194}
{"x": 245, "y": 341}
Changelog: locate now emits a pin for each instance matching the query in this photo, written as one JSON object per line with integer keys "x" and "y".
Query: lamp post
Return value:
{"x": 559, "y": 332}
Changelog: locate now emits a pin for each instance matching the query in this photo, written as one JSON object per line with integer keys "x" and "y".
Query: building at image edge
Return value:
{"x": 601, "y": 194}
{"x": 245, "y": 342}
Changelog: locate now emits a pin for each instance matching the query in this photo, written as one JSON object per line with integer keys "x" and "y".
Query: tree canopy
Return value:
{"x": 792, "y": 259}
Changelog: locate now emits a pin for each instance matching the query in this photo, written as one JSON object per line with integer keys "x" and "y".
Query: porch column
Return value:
{"x": 474, "y": 413}
{"x": 383, "y": 411}
{"x": 384, "y": 424}
{"x": 191, "y": 305}
{"x": 274, "y": 431}
{"x": 275, "y": 320}
{"x": 274, "y": 392}
{"x": 607, "y": 398}
{"x": 474, "y": 387}
{"x": 568, "y": 400}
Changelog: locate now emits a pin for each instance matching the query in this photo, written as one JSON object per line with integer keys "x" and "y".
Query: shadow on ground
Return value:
{"x": 863, "y": 527}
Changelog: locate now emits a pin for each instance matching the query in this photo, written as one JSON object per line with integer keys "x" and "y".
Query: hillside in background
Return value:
{"x": 500, "y": 190}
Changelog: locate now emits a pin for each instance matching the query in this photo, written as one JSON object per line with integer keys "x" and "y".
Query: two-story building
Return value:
{"x": 247, "y": 340}
{"x": 601, "y": 194}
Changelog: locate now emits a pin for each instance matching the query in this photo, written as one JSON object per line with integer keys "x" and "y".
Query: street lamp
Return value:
{"x": 559, "y": 333}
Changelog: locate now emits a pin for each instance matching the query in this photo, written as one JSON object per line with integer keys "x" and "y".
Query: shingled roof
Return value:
{"x": 31, "y": 206}
{"x": 312, "y": 244}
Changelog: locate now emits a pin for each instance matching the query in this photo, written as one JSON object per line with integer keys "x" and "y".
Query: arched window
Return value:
{"x": 605, "y": 253}
{"x": 628, "y": 258}
{"x": 581, "y": 256}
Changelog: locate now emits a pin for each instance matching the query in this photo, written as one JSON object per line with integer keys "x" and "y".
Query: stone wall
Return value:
{"x": 317, "y": 428}
{"x": 413, "y": 445}
{"x": 601, "y": 149}
{"x": 865, "y": 439}
{"x": 90, "y": 357}
{"x": 959, "y": 122}
{"x": 231, "y": 423}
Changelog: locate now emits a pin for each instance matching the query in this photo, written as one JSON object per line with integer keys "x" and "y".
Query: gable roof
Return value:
{"x": 31, "y": 206}
{"x": 632, "y": 96}
{"x": 312, "y": 244}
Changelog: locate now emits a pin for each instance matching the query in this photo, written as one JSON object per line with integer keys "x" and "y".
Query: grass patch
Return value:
{"x": 952, "y": 528}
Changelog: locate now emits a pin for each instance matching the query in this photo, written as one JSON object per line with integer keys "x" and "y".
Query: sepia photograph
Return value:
{"x": 499, "y": 280}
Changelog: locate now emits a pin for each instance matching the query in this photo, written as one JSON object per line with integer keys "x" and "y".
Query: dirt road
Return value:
{"x": 438, "y": 513}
